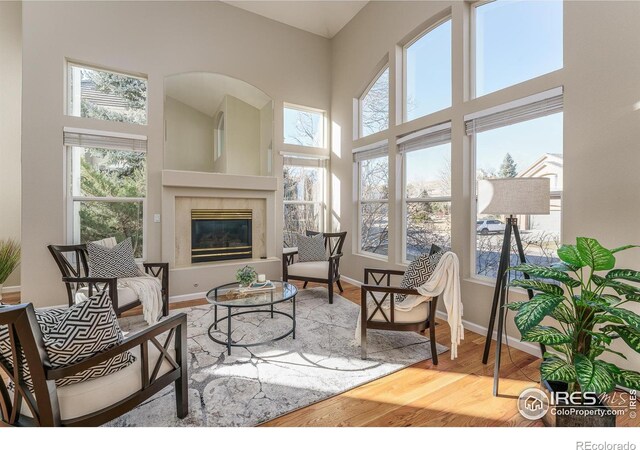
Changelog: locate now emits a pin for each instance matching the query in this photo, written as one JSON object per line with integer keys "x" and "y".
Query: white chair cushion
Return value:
{"x": 418, "y": 313}
{"x": 89, "y": 396}
{"x": 126, "y": 295}
{"x": 312, "y": 269}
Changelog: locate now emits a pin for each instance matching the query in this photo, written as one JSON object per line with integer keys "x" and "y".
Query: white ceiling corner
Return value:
{"x": 324, "y": 18}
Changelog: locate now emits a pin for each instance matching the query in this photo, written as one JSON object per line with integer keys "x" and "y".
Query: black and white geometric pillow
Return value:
{"x": 419, "y": 272}
{"x": 311, "y": 248}
{"x": 47, "y": 318}
{"x": 116, "y": 262}
{"x": 73, "y": 334}
{"x": 86, "y": 328}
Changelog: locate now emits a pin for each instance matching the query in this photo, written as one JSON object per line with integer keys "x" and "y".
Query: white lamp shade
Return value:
{"x": 514, "y": 196}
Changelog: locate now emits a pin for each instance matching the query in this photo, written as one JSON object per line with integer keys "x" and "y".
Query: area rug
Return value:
{"x": 261, "y": 383}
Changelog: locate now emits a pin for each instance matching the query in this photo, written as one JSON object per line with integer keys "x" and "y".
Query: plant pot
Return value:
{"x": 568, "y": 414}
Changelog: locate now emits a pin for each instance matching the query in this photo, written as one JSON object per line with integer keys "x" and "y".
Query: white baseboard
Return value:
{"x": 351, "y": 281}
{"x": 514, "y": 342}
{"x": 10, "y": 289}
{"x": 187, "y": 297}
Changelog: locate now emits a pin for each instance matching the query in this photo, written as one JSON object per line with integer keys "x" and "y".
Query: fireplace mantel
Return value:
{"x": 209, "y": 180}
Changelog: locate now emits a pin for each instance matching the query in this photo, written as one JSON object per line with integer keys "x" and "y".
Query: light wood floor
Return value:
{"x": 453, "y": 393}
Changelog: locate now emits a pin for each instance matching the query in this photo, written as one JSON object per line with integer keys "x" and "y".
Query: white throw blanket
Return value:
{"x": 149, "y": 292}
{"x": 444, "y": 282}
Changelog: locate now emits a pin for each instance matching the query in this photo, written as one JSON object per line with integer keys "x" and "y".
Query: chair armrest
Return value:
{"x": 127, "y": 344}
{"x": 161, "y": 266}
{"x": 291, "y": 251}
{"x": 388, "y": 289}
{"x": 335, "y": 257}
{"x": 88, "y": 280}
{"x": 384, "y": 271}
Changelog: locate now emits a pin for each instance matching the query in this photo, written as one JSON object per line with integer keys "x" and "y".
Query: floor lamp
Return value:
{"x": 512, "y": 197}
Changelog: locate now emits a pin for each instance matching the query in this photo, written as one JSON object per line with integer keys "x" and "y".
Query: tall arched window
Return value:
{"x": 374, "y": 105}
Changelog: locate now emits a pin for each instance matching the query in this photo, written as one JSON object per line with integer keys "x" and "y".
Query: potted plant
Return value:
{"x": 246, "y": 276}
{"x": 9, "y": 259}
{"x": 585, "y": 295}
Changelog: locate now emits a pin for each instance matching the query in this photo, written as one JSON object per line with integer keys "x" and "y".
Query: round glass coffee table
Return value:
{"x": 247, "y": 301}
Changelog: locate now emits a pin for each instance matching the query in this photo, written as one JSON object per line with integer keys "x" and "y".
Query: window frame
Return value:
{"x": 405, "y": 47}
{"x": 405, "y": 200}
{"x": 359, "y": 201}
{"x": 322, "y": 203}
{"x": 72, "y": 199}
{"x": 473, "y": 233}
{"x": 364, "y": 94}
{"x": 68, "y": 103}
{"x": 309, "y": 109}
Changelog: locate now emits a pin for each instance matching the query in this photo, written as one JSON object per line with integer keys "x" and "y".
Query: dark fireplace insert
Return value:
{"x": 220, "y": 234}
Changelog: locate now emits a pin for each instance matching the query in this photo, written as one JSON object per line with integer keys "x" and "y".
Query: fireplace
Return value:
{"x": 220, "y": 234}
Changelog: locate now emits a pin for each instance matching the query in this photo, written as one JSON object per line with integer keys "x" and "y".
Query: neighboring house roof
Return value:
{"x": 549, "y": 162}
{"x": 99, "y": 98}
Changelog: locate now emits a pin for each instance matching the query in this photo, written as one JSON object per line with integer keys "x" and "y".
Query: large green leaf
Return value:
{"x": 622, "y": 377}
{"x": 624, "y": 247}
{"x": 563, "y": 314}
{"x": 628, "y": 334}
{"x": 556, "y": 369}
{"x": 620, "y": 288}
{"x": 593, "y": 376}
{"x": 595, "y": 255}
{"x": 546, "y": 335}
{"x": 624, "y": 274}
{"x": 564, "y": 267}
{"x": 515, "y": 306}
{"x": 633, "y": 297}
{"x": 606, "y": 318}
{"x": 569, "y": 254}
{"x": 547, "y": 273}
{"x": 532, "y": 313}
{"x": 629, "y": 317}
{"x": 538, "y": 285}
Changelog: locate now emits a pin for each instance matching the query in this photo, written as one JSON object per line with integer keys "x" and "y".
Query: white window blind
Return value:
{"x": 301, "y": 161}
{"x": 115, "y": 141}
{"x": 428, "y": 137}
{"x": 371, "y": 151}
{"x": 521, "y": 113}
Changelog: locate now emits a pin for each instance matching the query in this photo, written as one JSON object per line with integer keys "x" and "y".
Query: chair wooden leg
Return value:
{"x": 182, "y": 383}
{"x": 165, "y": 304}
{"x": 432, "y": 334}
{"x": 330, "y": 293}
{"x": 363, "y": 324}
{"x": 304, "y": 286}
{"x": 182, "y": 397}
{"x": 339, "y": 285}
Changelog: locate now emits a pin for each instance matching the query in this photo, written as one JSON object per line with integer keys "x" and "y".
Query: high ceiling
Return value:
{"x": 204, "y": 91}
{"x": 324, "y": 18}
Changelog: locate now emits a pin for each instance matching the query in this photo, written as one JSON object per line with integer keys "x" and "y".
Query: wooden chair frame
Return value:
{"x": 75, "y": 275}
{"x": 381, "y": 279}
{"x": 333, "y": 242}
{"x": 26, "y": 337}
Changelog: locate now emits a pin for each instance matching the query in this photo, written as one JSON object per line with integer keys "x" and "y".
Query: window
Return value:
{"x": 303, "y": 126}
{"x": 374, "y": 106}
{"x": 106, "y": 95}
{"x": 373, "y": 200}
{"x": 304, "y": 180}
{"x": 106, "y": 187}
{"x": 525, "y": 141}
{"x": 516, "y": 41}
{"x": 426, "y": 162}
{"x": 219, "y": 136}
{"x": 428, "y": 72}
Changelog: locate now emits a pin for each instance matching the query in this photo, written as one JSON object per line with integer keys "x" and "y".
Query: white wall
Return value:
{"x": 10, "y": 110}
{"x": 189, "y": 137}
{"x": 161, "y": 38}
{"x": 242, "y": 137}
{"x": 601, "y": 77}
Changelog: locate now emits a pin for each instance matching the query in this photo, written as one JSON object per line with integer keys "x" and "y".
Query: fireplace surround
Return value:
{"x": 221, "y": 234}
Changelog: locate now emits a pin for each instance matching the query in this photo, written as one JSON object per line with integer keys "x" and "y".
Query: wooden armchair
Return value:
{"x": 95, "y": 401}
{"x": 417, "y": 319}
{"x": 72, "y": 262}
{"x": 327, "y": 272}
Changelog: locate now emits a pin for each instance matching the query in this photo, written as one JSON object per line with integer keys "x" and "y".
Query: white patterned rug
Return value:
{"x": 259, "y": 384}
